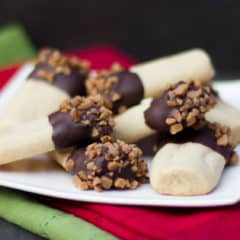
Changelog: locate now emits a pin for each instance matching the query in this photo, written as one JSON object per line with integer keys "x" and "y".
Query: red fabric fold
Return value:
{"x": 128, "y": 222}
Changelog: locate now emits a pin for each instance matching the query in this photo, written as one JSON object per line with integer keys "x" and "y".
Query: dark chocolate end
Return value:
{"x": 107, "y": 165}
{"x": 120, "y": 88}
{"x": 182, "y": 105}
{"x": 80, "y": 121}
{"x": 68, "y": 74}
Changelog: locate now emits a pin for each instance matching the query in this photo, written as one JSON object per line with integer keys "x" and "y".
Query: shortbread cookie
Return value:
{"x": 123, "y": 88}
{"x": 130, "y": 126}
{"x": 105, "y": 165}
{"x": 186, "y": 169}
{"x": 181, "y": 105}
{"x": 192, "y": 162}
{"x": 78, "y": 121}
{"x": 54, "y": 78}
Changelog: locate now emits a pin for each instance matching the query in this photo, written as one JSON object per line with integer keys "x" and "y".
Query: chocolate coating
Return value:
{"x": 66, "y": 132}
{"x": 157, "y": 113}
{"x": 180, "y": 106}
{"x": 80, "y": 164}
{"x": 204, "y": 136}
{"x": 108, "y": 164}
{"x": 73, "y": 83}
{"x": 129, "y": 87}
{"x": 78, "y": 157}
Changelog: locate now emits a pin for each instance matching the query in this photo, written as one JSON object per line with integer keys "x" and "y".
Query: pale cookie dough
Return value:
{"x": 226, "y": 115}
{"x": 130, "y": 126}
{"x": 26, "y": 141}
{"x": 54, "y": 78}
{"x": 186, "y": 169}
{"x": 186, "y": 66}
{"x": 34, "y": 100}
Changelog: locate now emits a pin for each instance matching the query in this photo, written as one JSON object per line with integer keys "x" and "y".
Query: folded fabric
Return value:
{"x": 147, "y": 222}
{"x": 15, "y": 45}
{"x": 47, "y": 222}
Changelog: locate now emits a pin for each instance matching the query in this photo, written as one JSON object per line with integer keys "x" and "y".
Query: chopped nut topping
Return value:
{"x": 52, "y": 62}
{"x": 90, "y": 112}
{"x": 176, "y": 128}
{"x": 112, "y": 164}
{"x": 189, "y": 102}
{"x": 102, "y": 83}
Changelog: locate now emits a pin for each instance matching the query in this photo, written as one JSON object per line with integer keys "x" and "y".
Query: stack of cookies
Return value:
{"x": 89, "y": 122}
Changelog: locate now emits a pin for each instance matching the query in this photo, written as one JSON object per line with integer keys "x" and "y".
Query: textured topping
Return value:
{"x": 103, "y": 82}
{"x": 181, "y": 105}
{"x": 110, "y": 164}
{"x": 119, "y": 88}
{"x": 89, "y": 112}
{"x": 57, "y": 63}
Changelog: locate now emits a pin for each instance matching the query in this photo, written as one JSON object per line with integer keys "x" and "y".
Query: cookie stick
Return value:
{"x": 78, "y": 121}
{"x": 54, "y": 79}
{"x": 186, "y": 169}
{"x": 192, "y": 162}
{"x": 122, "y": 88}
{"x": 181, "y": 105}
{"x": 104, "y": 165}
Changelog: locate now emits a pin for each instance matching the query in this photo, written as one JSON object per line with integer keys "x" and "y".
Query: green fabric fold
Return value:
{"x": 15, "y": 45}
{"x": 47, "y": 222}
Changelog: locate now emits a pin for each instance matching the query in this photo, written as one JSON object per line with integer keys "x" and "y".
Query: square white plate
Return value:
{"x": 43, "y": 176}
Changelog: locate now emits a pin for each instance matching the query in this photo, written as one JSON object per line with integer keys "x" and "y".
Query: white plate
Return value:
{"x": 44, "y": 177}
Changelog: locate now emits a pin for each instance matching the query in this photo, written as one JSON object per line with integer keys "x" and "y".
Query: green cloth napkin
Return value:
{"x": 17, "y": 207}
{"x": 47, "y": 222}
{"x": 15, "y": 45}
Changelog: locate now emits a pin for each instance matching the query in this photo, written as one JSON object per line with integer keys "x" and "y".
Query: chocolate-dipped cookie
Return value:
{"x": 107, "y": 165}
{"x": 54, "y": 78}
{"x": 78, "y": 121}
{"x": 119, "y": 87}
{"x": 182, "y": 105}
{"x": 66, "y": 73}
{"x": 191, "y": 162}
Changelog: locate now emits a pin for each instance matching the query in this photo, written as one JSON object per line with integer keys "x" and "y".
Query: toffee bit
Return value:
{"x": 90, "y": 112}
{"x": 111, "y": 164}
{"x": 103, "y": 82}
{"x": 189, "y": 102}
{"x": 222, "y": 134}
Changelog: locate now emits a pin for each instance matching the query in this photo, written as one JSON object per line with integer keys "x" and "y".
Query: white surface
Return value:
{"x": 44, "y": 177}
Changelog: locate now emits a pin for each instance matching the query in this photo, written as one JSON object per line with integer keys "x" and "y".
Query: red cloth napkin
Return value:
{"x": 145, "y": 222}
